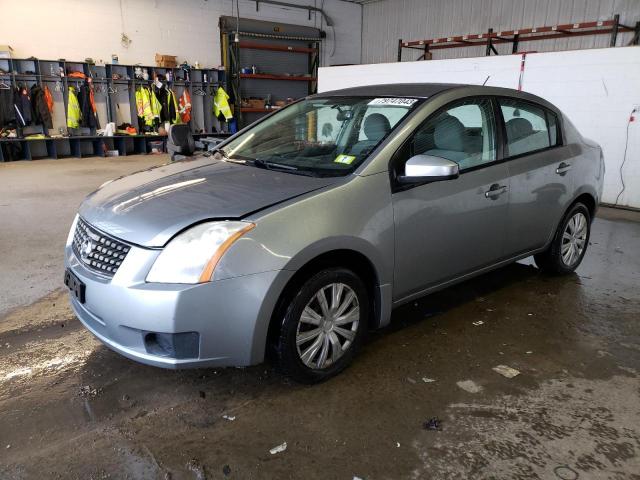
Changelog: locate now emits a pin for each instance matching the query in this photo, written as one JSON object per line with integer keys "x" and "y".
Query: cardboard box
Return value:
{"x": 256, "y": 103}
{"x": 166, "y": 61}
{"x": 6, "y": 51}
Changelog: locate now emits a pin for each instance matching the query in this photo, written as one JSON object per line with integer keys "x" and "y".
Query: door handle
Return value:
{"x": 563, "y": 168}
{"x": 495, "y": 191}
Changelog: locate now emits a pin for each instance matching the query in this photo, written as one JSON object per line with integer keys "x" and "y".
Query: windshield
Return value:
{"x": 320, "y": 136}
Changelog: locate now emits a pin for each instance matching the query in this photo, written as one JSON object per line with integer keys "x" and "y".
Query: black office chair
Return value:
{"x": 180, "y": 142}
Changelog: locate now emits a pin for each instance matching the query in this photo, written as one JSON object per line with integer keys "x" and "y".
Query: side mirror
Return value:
{"x": 427, "y": 168}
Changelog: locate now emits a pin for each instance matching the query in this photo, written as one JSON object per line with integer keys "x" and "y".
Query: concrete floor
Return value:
{"x": 70, "y": 408}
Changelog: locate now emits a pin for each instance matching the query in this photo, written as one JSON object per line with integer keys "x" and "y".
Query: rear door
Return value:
{"x": 449, "y": 228}
{"x": 540, "y": 173}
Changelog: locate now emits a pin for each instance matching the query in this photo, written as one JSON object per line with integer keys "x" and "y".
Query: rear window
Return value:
{"x": 529, "y": 127}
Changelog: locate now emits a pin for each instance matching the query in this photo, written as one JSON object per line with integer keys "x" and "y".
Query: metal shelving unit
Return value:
{"x": 286, "y": 58}
{"x": 115, "y": 102}
{"x": 491, "y": 38}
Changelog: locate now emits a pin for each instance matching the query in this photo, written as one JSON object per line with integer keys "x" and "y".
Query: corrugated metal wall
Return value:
{"x": 386, "y": 21}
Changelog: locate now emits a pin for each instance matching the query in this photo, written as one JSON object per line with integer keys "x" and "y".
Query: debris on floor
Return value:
{"x": 428, "y": 380}
{"x": 477, "y": 323}
{"x": 231, "y": 418}
{"x": 226, "y": 470}
{"x": 195, "y": 466}
{"x": 88, "y": 391}
{"x": 469, "y": 386}
{"x": 410, "y": 380}
{"x": 433, "y": 423}
{"x": 564, "y": 472}
{"x": 506, "y": 371}
{"x": 280, "y": 448}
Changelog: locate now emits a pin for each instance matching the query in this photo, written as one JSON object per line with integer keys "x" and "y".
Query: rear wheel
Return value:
{"x": 569, "y": 243}
{"x": 323, "y": 326}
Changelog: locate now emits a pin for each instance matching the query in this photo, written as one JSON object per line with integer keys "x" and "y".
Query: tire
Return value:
{"x": 301, "y": 334}
{"x": 569, "y": 243}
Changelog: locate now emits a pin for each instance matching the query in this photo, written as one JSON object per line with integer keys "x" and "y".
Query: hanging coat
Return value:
{"x": 174, "y": 114}
{"x": 221, "y": 105}
{"x": 167, "y": 100}
{"x": 22, "y": 106}
{"x": 7, "y": 109}
{"x": 156, "y": 106}
{"x": 48, "y": 99}
{"x": 143, "y": 106}
{"x": 185, "y": 106}
{"x": 89, "y": 118}
{"x": 74, "y": 114}
{"x": 41, "y": 113}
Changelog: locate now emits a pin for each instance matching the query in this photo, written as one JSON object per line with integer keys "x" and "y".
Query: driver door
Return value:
{"x": 444, "y": 230}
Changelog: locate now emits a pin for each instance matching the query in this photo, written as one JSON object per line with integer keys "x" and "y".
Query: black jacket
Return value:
{"x": 89, "y": 118}
{"x": 22, "y": 105}
{"x": 41, "y": 113}
{"x": 7, "y": 110}
{"x": 168, "y": 112}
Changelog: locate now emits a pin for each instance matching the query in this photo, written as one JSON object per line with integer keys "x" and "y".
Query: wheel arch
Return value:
{"x": 350, "y": 258}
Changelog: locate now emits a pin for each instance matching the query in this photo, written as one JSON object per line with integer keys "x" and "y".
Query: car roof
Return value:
{"x": 419, "y": 90}
{"x": 427, "y": 90}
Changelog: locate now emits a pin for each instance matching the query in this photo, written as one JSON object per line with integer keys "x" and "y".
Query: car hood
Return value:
{"x": 149, "y": 207}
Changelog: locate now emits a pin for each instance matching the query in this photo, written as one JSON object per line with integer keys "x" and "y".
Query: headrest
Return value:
{"x": 376, "y": 126}
{"x": 518, "y": 128}
{"x": 449, "y": 134}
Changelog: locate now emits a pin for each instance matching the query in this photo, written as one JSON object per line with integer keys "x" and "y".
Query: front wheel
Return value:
{"x": 569, "y": 243}
{"x": 323, "y": 326}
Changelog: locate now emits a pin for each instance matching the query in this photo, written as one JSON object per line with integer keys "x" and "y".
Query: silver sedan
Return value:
{"x": 307, "y": 228}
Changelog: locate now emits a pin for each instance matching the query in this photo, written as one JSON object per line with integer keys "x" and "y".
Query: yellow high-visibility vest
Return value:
{"x": 221, "y": 104}
{"x": 143, "y": 106}
{"x": 156, "y": 106}
{"x": 171, "y": 97}
{"x": 74, "y": 114}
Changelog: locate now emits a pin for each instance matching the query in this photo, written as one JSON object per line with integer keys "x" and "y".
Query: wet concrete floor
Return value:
{"x": 71, "y": 408}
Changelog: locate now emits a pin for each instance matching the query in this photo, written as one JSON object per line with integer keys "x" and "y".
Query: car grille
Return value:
{"x": 97, "y": 251}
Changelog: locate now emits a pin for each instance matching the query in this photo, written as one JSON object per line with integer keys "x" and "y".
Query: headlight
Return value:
{"x": 192, "y": 256}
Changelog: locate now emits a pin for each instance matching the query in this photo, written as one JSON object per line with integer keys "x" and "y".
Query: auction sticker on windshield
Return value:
{"x": 346, "y": 159}
{"x": 405, "y": 102}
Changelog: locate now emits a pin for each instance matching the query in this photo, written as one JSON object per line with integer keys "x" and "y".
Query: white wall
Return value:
{"x": 76, "y": 29}
{"x": 597, "y": 89}
{"x": 386, "y": 21}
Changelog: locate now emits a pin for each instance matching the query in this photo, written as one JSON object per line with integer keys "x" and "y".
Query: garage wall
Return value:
{"x": 597, "y": 89}
{"x": 76, "y": 29}
{"x": 386, "y": 21}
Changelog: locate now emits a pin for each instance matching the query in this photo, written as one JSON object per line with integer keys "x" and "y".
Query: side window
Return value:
{"x": 463, "y": 133}
{"x": 529, "y": 127}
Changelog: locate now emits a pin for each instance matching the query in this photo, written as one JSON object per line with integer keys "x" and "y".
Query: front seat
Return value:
{"x": 180, "y": 143}
{"x": 376, "y": 126}
{"x": 449, "y": 138}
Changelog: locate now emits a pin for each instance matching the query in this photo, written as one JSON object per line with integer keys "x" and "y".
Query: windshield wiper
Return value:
{"x": 273, "y": 165}
{"x": 258, "y": 162}
{"x": 227, "y": 158}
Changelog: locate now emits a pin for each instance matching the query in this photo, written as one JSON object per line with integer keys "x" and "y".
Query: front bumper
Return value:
{"x": 231, "y": 316}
